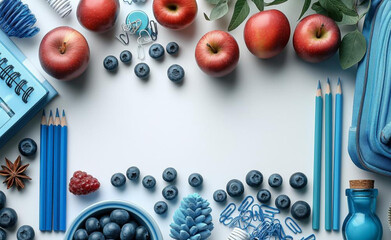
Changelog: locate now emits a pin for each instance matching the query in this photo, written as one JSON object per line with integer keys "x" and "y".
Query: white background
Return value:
{"x": 259, "y": 117}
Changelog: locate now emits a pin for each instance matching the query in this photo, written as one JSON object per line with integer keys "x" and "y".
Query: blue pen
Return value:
{"x": 49, "y": 176}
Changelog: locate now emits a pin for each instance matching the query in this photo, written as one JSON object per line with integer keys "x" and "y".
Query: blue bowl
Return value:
{"x": 141, "y": 216}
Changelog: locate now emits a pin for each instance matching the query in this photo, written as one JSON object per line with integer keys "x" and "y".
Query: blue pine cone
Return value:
{"x": 192, "y": 221}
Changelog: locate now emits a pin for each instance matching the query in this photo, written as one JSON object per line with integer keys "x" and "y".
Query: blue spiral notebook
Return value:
{"x": 23, "y": 90}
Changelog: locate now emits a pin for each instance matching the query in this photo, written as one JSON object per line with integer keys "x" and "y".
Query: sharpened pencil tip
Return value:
{"x": 57, "y": 113}
{"x": 339, "y": 81}
{"x": 63, "y": 113}
{"x": 328, "y": 81}
{"x": 51, "y": 113}
{"x": 319, "y": 86}
{"x": 43, "y": 112}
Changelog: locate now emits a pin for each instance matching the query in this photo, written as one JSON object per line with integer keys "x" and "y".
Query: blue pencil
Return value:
{"x": 328, "y": 157}
{"x": 56, "y": 171}
{"x": 337, "y": 157}
{"x": 317, "y": 158}
{"x": 49, "y": 179}
{"x": 63, "y": 173}
{"x": 42, "y": 173}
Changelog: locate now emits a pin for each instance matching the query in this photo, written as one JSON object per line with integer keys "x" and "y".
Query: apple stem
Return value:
{"x": 214, "y": 50}
{"x": 320, "y": 30}
{"x": 63, "y": 47}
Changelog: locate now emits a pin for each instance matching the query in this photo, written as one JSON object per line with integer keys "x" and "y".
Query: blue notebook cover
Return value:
{"x": 23, "y": 90}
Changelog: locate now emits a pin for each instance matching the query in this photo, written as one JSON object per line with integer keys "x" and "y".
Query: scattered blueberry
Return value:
{"x": 92, "y": 225}
{"x": 27, "y": 147}
{"x": 195, "y": 180}
{"x": 3, "y": 235}
{"x": 156, "y": 51}
{"x": 125, "y": 56}
{"x": 96, "y": 236}
{"x": 149, "y": 182}
{"x": 133, "y": 173}
{"x": 160, "y": 207}
{"x": 8, "y": 218}
{"x": 3, "y": 199}
{"x": 119, "y": 216}
{"x": 118, "y": 180}
{"x": 254, "y": 178}
{"x": 283, "y": 202}
{"x": 298, "y": 180}
{"x": 275, "y": 180}
{"x": 80, "y": 234}
{"x": 264, "y": 196}
{"x": 300, "y": 210}
{"x": 220, "y": 195}
{"x": 142, "y": 233}
{"x": 110, "y": 63}
{"x": 128, "y": 231}
{"x": 235, "y": 188}
{"x": 169, "y": 174}
{"x": 104, "y": 220}
{"x": 141, "y": 70}
{"x": 172, "y": 48}
{"x": 176, "y": 73}
{"x": 170, "y": 192}
{"x": 25, "y": 232}
{"x": 111, "y": 230}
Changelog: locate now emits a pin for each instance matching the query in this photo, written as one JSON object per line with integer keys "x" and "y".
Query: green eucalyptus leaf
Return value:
{"x": 332, "y": 10}
{"x": 260, "y": 4}
{"x": 319, "y": 9}
{"x": 241, "y": 12}
{"x": 337, "y": 7}
{"x": 306, "y": 6}
{"x": 219, "y": 10}
{"x": 366, "y": 9}
{"x": 352, "y": 49}
{"x": 275, "y": 2}
{"x": 349, "y": 20}
{"x": 214, "y": 2}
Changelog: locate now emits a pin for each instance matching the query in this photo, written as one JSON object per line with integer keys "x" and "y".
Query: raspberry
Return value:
{"x": 82, "y": 183}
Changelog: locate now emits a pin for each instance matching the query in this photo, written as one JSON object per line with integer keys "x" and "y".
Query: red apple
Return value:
{"x": 266, "y": 33}
{"x": 175, "y": 14}
{"x": 64, "y": 53}
{"x": 316, "y": 38}
{"x": 98, "y": 15}
{"x": 217, "y": 53}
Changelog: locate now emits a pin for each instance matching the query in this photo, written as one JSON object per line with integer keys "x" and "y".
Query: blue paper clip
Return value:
{"x": 270, "y": 210}
{"x": 246, "y": 203}
{"x": 257, "y": 213}
{"x": 225, "y": 215}
{"x": 292, "y": 225}
{"x": 310, "y": 237}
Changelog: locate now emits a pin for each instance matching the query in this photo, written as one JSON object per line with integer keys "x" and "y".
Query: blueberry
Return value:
{"x": 275, "y": 180}
{"x": 8, "y": 218}
{"x": 195, "y": 180}
{"x": 3, "y": 199}
{"x": 254, "y": 178}
{"x": 300, "y": 210}
{"x": 3, "y": 234}
{"x": 25, "y": 232}
{"x": 220, "y": 195}
{"x": 92, "y": 225}
{"x": 149, "y": 182}
{"x": 133, "y": 173}
{"x": 264, "y": 196}
{"x": 141, "y": 70}
{"x": 27, "y": 147}
{"x": 118, "y": 180}
{"x": 156, "y": 51}
{"x": 125, "y": 56}
{"x": 298, "y": 180}
{"x": 283, "y": 202}
{"x": 128, "y": 231}
{"x": 96, "y": 236}
{"x": 235, "y": 188}
{"x": 80, "y": 234}
{"x": 170, "y": 192}
{"x": 110, "y": 63}
{"x": 172, "y": 48}
{"x": 120, "y": 216}
{"x": 176, "y": 73}
{"x": 111, "y": 230}
{"x": 104, "y": 220}
{"x": 169, "y": 174}
{"x": 142, "y": 233}
{"x": 160, "y": 207}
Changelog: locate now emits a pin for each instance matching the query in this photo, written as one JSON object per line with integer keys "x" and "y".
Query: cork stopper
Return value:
{"x": 362, "y": 184}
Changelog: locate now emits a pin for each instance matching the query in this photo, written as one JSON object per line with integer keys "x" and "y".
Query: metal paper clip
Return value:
{"x": 153, "y": 28}
{"x": 246, "y": 203}
{"x": 310, "y": 237}
{"x": 225, "y": 215}
{"x": 123, "y": 38}
{"x": 292, "y": 225}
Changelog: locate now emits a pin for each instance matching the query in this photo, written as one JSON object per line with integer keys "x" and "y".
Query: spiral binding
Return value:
{"x": 10, "y": 77}
{"x": 62, "y": 7}
{"x": 16, "y": 19}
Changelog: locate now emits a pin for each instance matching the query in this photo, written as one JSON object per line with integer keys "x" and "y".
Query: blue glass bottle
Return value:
{"x": 362, "y": 222}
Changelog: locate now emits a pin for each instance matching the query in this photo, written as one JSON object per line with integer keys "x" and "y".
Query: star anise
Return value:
{"x": 14, "y": 173}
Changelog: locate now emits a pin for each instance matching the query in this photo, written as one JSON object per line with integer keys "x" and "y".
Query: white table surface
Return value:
{"x": 259, "y": 117}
